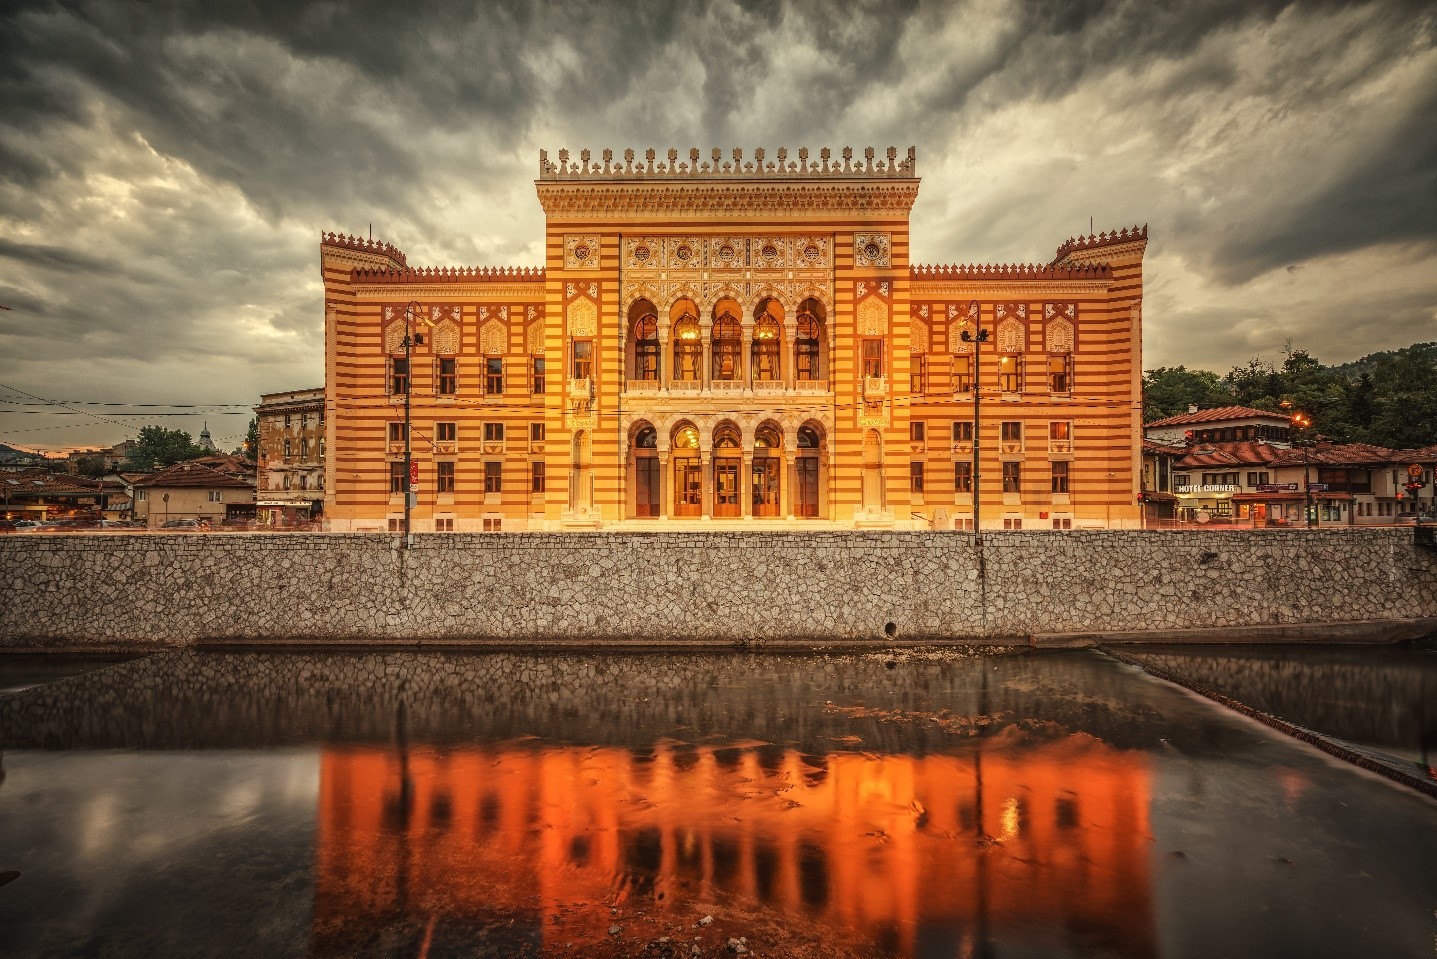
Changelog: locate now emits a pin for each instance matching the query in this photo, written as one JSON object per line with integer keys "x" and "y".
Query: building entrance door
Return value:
{"x": 726, "y": 501}
{"x": 688, "y": 487}
{"x": 807, "y": 505}
{"x": 765, "y": 486}
{"x": 646, "y": 489}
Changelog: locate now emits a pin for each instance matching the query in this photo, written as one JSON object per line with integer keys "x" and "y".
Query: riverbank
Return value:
{"x": 717, "y": 589}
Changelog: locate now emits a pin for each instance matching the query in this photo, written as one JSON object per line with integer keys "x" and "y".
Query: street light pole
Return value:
{"x": 977, "y": 339}
{"x": 1301, "y": 422}
{"x": 411, "y": 339}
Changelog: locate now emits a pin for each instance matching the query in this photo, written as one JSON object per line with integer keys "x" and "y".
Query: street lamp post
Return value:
{"x": 1302, "y": 422}
{"x": 977, "y": 339}
{"x": 411, "y": 339}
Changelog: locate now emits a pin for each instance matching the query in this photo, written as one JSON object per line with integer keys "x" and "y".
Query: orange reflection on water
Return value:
{"x": 1045, "y": 843}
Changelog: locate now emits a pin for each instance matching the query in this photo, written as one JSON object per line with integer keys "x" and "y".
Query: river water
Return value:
{"x": 937, "y": 803}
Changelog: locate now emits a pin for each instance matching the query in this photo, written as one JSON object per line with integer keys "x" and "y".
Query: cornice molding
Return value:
{"x": 487, "y": 290}
{"x": 854, "y": 199}
{"x": 1008, "y": 289}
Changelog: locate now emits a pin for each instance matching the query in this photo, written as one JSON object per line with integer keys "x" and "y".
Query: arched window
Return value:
{"x": 646, "y": 348}
{"x": 648, "y": 439}
{"x": 685, "y": 438}
{"x": 766, "y": 332}
{"x": 806, "y": 365}
{"x": 807, "y": 438}
{"x": 727, "y": 437}
{"x": 688, "y": 351}
{"x": 727, "y": 348}
{"x": 767, "y": 437}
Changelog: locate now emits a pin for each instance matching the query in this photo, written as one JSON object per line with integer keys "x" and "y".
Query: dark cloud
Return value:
{"x": 166, "y": 165}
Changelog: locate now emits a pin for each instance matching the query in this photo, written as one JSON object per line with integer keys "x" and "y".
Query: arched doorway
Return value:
{"x": 688, "y": 471}
{"x": 728, "y": 465}
{"x": 647, "y": 488}
{"x": 581, "y": 479}
{"x": 767, "y": 470}
{"x": 872, "y": 471}
{"x": 806, "y": 470}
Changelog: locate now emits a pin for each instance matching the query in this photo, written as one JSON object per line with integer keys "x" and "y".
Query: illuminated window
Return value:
{"x": 727, "y": 348}
{"x": 1060, "y": 373}
{"x": 962, "y": 374}
{"x": 646, "y": 348}
{"x": 918, "y": 375}
{"x": 765, "y": 348}
{"x": 688, "y": 351}
{"x": 582, "y": 355}
{"x": 1010, "y": 374}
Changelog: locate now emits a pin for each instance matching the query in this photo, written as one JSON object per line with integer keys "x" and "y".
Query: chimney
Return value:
{"x": 1192, "y": 407}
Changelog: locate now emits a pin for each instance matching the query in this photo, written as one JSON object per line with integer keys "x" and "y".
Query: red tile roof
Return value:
{"x": 1335, "y": 454}
{"x": 1217, "y": 414}
{"x": 1151, "y": 446}
{"x": 1241, "y": 453}
{"x": 45, "y": 483}
{"x": 192, "y": 475}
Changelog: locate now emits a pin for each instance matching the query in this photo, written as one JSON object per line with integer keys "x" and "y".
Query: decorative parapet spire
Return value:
{"x": 1011, "y": 271}
{"x": 451, "y": 274}
{"x": 1092, "y": 240}
{"x": 716, "y": 166}
{"x": 377, "y": 247}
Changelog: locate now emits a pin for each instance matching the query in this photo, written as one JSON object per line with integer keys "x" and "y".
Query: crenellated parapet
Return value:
{"x": 718, "y": 166}
{"x": 451, "y": 274}
{"x": 360, "y": 244}
{"x": 1095, "y": 240}
{"x": 1010, "y": 271}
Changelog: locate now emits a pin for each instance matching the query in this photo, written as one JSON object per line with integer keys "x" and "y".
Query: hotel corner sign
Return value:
{"x": 1206, "y": 488}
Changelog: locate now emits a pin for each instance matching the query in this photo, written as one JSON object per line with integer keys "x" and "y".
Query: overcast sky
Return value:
{"x": 166, "y": 167}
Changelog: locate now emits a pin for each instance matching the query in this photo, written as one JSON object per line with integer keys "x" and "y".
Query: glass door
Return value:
{"x": 646, "y": 491}
{"x": 807, "y": 505}
{"x": 688, "y": 487}
{"x": 726, "y": 488}
{"x": 765, "y": 486}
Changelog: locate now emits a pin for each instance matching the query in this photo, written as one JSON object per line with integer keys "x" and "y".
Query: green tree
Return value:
{"x": 92, "y": 466}
{"x": 157, "y": 447}
{"x": 250, "y": 448}
{"x": 1258, "y": 384}
{"x": 1170, "y": 390}
{"x": 1319, "y": 391}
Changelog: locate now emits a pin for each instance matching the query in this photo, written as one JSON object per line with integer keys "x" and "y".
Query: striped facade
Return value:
{"x": 716, "y": 340}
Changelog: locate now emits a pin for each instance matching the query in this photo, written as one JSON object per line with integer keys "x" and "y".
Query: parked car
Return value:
{"x": 190, "y": 524}
{"x": 26, "y": 525}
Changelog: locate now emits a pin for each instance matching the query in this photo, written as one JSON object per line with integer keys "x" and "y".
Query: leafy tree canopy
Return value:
{"x": 1387, "y": 399}
{"x": 157, "y": 447}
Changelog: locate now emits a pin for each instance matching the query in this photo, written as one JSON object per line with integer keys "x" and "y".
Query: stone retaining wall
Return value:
{"x": 716, "y": 587}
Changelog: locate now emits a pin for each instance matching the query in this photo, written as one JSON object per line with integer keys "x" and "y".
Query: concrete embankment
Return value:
{"x": 717, "y": 588}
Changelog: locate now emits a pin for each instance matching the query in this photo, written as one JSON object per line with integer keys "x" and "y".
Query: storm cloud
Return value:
{"x": 165, "y": 167}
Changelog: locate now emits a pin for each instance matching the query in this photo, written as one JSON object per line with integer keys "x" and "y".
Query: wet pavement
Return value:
{"x": 916, "y": 804}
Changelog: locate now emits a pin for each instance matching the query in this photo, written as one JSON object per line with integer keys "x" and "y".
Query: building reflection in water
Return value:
{"x": 1045, "y": 843}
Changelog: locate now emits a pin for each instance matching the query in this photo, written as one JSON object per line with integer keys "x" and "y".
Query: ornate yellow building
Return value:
{"x": 714, "y": 339}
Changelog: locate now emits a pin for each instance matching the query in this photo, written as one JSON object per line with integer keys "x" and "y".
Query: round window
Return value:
{"x": 581, "y": 252}
{"x": 726, "y": 252}
{"x": 642, "y": 253}
{"x": 684, "y": 253}
{"x": 872, "y": 250}
{"x": 769, "y": 251}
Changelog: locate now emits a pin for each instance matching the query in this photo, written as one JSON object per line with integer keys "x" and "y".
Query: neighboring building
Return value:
{"x": 291, "y": 457}
{"x": 40, "y": 494}
{"x": 198, "y": 490}
{"x": 15, "y": 460}
{"x": 1159, "y": 501}
{"x": 715, "y": 339}
{"x": 1223, "y": 424}
{"x": 1216, "y": 478}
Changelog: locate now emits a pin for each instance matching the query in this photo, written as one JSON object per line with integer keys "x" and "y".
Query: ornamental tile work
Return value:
{"x": 687, "y": 297}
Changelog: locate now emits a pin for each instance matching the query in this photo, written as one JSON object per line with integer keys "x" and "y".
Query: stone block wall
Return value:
{"x": 714, "y": 587}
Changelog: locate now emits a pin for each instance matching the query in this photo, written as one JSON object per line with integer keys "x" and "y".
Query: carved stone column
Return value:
{"x": 666, "y": 484}
{"x": 706, "y": 464}
{"x": 786, "y": 358}
{"x": 666, "y": 358}
{"x": 790, "y": 482}
{"x": 745, "y": 486}
{"x": 706, "y": 373}
{"x": 746, "y": 357}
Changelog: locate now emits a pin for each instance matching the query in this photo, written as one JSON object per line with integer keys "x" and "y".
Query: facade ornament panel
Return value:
{"x": 1004, "y": 310}
{"x": 873, "y": 317}
{"x": 1059, "y": 336}
{"x": 694, "y": 164}
{"x": 918, "y": 337}
{"x": 394, "y": 336}
{"x": 871, "y": 249}
{"x": 583, "y": 318}
{"x": 493, "y": 338}
{"x": 966, "y": 316}
{"x": 446, "y": 337}
{"x": 441, "y": 312}
{"x": 581, "y": 252}
{"x": 535, "y": 334}
{"x": 1010, "y": 336}
{"x": 1068, "y": 311}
